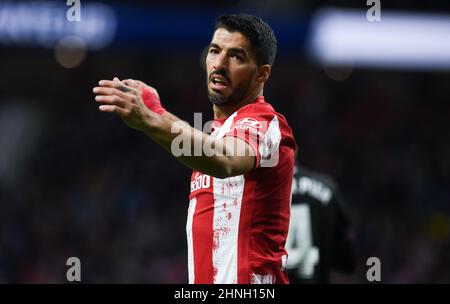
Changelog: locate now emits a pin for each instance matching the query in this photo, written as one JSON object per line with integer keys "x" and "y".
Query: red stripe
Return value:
{"x": 202, "y": 227}
{"x": 248, "y": 200}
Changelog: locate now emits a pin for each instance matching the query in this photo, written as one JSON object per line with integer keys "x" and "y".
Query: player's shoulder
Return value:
{"x": 262, "y": 110}
{"x": 262, "y": 117}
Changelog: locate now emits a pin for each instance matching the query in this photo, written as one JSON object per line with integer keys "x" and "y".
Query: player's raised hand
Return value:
{"x": 125, "y": 101}
{"x": 149, "y": 95}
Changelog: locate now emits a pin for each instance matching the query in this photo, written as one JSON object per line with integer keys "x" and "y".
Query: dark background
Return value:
{"x": 77, "y": 182}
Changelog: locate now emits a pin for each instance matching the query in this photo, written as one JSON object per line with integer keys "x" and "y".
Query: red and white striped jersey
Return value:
{"x": 237, "y": 226}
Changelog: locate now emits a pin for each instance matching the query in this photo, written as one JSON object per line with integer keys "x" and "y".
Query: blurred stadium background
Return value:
{"x": 369, "y": 103}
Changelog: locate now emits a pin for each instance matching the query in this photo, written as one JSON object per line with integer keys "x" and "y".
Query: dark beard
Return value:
{"x": 236, "y": 97}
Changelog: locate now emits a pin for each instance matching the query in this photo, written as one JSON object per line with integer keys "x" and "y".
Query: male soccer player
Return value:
{"x": 320, "y": 232}
{"x": 238, "y": 215}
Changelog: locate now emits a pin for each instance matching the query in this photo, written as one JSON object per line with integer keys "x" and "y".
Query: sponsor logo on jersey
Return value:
{"x": 251, "y": 122}
{"x": 246, "y": 129}
{"x": 248, "y": 125}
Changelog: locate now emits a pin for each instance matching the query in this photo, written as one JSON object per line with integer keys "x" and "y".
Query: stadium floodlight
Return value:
{"x": 399, "y": 40}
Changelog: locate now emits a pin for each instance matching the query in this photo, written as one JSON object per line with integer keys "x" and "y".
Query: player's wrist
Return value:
{"x": 151, "y": 122}
{"x": 160, "y": 110}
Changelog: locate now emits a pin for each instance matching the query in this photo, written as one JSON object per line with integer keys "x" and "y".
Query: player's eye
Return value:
{"x": 213, "y": 51}
{"x": 238, "y": 57}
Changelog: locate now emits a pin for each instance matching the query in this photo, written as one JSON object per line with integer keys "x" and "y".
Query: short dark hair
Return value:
{"x": 260, "y": 34}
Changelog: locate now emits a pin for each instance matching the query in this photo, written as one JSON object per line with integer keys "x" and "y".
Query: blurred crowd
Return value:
{"x": 90, "y": 187}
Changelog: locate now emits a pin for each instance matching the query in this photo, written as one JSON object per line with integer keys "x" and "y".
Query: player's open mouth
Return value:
{"x": 218, "y": 83}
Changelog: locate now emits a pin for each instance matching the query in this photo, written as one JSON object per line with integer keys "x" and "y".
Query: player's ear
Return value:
{"x": 263, "y": 73}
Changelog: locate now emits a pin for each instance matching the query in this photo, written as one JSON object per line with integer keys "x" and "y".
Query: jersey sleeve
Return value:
{"x": 264, "y": 131}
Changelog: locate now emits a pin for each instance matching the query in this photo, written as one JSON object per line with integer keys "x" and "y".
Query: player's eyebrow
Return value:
{"x": 236, "y": 50}
{"x": 214, "y": 45}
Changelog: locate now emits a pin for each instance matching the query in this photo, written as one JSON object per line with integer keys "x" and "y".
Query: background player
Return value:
{"x": 320, "y": 233}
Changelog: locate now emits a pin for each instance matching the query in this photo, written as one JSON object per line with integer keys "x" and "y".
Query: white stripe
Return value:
{"x": 191, "y": 210}
{"x": 225, "y": 127}
{"x": 228, "y": 194}
{"x": 270, "y": 143}
{"x": 262, "y": 279}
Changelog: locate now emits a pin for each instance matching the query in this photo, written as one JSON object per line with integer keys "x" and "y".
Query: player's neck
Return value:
{"x": 224, "y": 111}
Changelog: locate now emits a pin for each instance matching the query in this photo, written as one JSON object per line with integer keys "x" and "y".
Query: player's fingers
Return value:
{"x": 118, "y": 85}
{"x": 107, "y": 83}
{"x": 110, "y": 91}
{"x": 132, "y": 83}
{"x": 110, "y": 99}
{"x": 136, "y": 84}
{"x": 139, "y": 85}
{"x": 126, "y": 89}
{"x": 109, "y": 109}
{"x": 112, "y": 109}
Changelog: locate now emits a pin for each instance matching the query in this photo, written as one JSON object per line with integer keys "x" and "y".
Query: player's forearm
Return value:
{"x": 170, "y": 116}
{"x": 195, "y": 149}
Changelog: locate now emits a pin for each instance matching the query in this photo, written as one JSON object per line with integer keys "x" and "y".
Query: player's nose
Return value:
{"x": 220, "y": 62}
